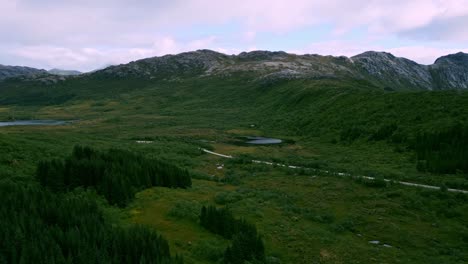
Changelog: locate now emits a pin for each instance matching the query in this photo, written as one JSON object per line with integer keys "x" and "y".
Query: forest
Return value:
{"x": 246, "y": 245}
{"x": 61, "y": 221}
{"x": 116, "y": 174}
{"x": 443, "y": 151}
{"x": 40, "y": 226}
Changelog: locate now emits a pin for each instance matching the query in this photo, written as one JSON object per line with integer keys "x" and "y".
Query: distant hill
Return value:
{"x": 17, "y": 71}
{"x": 64, "y": 72}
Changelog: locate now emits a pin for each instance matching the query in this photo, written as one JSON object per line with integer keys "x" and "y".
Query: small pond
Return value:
{"x": 263, "y": 141}
{"x": 33, "y": 123}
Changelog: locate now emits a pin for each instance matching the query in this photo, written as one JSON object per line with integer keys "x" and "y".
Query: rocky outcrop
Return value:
{"x": 393, "y": 72}
{"x": 183, "y": 64}
{"x": 451, "y": 71}
{"x": 18, "y": 71}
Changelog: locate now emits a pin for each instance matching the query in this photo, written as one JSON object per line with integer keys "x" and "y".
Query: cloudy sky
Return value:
{"x": 89, "y": 34}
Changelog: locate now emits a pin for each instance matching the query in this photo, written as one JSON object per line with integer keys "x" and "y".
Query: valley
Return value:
{"x": 334, "y": 124}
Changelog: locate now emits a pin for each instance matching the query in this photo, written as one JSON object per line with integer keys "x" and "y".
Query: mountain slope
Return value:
{"x": 392, "y": 71}
{"x": 451, "y": 71}
{"x": 18, "y": 71}
{"x": 382, "y": 69}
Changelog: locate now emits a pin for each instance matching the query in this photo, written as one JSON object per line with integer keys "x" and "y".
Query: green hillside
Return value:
{"x": 301, "y": 216}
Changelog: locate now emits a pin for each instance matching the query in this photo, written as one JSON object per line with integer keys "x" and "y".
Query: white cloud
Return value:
{"x": 87, "y": 59}
{"x": 87, "y": 34}
{"x": 124, "y": 17}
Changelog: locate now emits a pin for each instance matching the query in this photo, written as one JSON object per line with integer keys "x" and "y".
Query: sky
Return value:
{"x": 90, "y": 34}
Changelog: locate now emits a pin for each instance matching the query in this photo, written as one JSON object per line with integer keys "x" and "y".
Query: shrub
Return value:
{"x": 210, "y": 250}
{"x": 227, "y": 197}
{"x": 186, "y": 210}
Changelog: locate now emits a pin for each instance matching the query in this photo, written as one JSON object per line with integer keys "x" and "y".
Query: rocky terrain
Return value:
{"x": 451, "y": 71}
{"x": 27, "y": 74}
{"x": 392, "y": 72}
{"x": 64, "y": 72}
{"x": 17, "y": 71}
{"x": 379, "y": 68}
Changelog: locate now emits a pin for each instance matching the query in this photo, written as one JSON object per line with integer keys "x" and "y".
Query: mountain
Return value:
{"x": 19, "y": 71}
{"x": 391, "y": 71}
{"x": 64, "y": 72}
{"x": 451, "y": 71}
{"x": 380, "y": 68}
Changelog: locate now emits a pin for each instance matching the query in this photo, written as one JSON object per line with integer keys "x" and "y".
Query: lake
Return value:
{"x": 34, "y": 123}
{"x": 263, "y": 141}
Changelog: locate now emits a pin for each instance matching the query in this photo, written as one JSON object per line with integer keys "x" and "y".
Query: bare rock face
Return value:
{"x": 188, "y": 63}
{"x": 451, "y": 71}
{"x": 392, "y": 71}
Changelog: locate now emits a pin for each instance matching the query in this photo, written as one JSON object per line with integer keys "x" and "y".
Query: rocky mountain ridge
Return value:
{"x": 19, "y": 71}
{"x": 380, "y": 68}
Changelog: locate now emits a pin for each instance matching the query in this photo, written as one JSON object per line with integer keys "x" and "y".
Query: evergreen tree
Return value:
{"x": 246, "y": 245}
{"x": 39, "y": 226}
{"x": 116, "y": 174}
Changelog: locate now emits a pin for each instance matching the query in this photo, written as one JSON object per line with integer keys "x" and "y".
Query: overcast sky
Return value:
{"x": 89, "y": 34}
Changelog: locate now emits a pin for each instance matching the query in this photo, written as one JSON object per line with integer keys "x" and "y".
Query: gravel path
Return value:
{"x": 339, "y": 174}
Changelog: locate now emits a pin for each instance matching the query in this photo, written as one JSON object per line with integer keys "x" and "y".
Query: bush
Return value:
{"x": 346, "y": 224}
{"x": 227, "y": 197}
{"x": 320, "y": 217}
{"x": 384, "y": 132}
{"x": 210, "y": 250}
{"x": 185, "y": 210}
{"x": 351, "y": 134}
{"x": 233, "y": 177}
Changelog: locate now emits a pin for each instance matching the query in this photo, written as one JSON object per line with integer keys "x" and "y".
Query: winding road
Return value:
{"x": 339, "y": 173}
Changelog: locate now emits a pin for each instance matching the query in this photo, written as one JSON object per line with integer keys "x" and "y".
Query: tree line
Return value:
{"x": 41, "y": 226}
{"x": 443, "y": 151}
{"x": 115, "y": 174}
{"x": 247, "y": 244}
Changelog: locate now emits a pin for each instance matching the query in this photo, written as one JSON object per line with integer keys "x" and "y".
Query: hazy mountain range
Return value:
{"x": 64, "y": 72}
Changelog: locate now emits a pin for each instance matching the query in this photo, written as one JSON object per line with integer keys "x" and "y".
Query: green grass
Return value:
{"x": 303, "y": 219}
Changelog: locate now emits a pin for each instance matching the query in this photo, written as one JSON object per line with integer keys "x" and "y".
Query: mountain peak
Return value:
{"x": 459, "y": 58}
{"x": 451, "y": 71}
{"x": 375, "y": 55}
{"x": 262, "y": 55}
